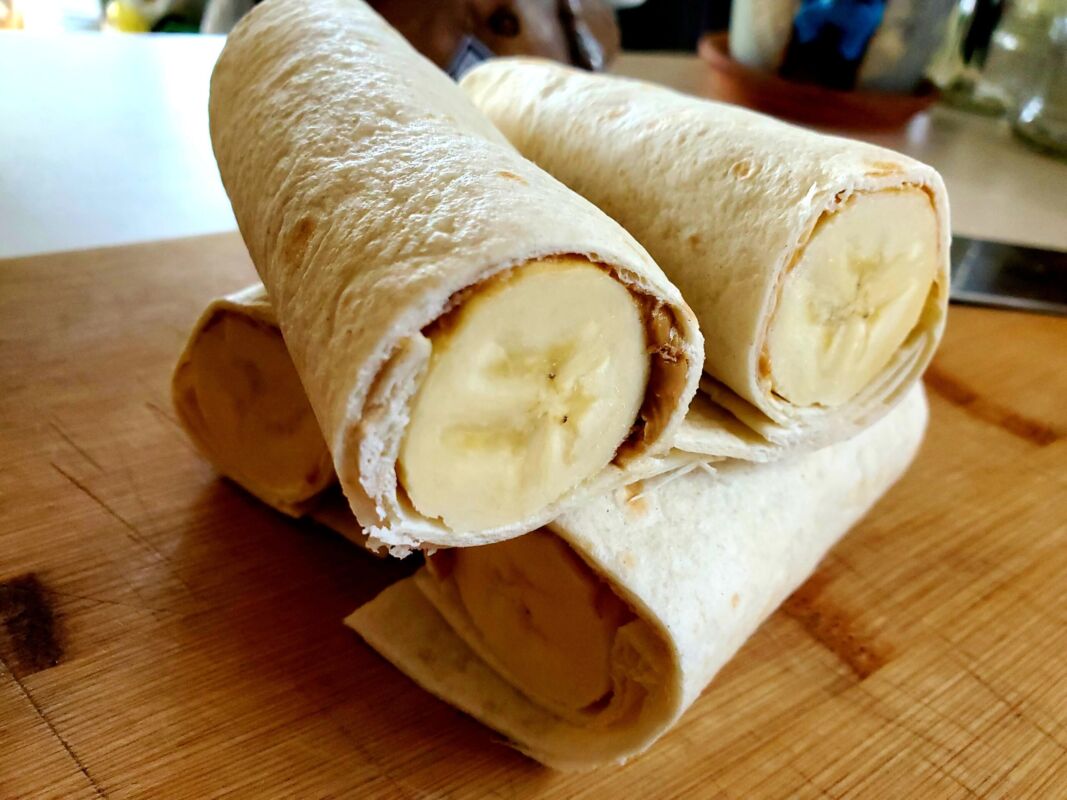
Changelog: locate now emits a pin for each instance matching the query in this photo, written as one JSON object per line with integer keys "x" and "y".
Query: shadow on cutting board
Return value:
{"x": 276, "y": 591}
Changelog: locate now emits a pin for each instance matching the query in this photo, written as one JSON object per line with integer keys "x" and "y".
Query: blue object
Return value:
{"x": 829, "y": 40}
{"x": 855, "y": 20}
{"x": 470, "y": 52}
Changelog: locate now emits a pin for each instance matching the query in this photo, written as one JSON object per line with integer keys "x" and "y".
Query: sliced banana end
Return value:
{"x": 246, "y": 405}
{"x": 854, "y": 295}
{"x": 533, "y": 384}
{"x": 548, "y": 620}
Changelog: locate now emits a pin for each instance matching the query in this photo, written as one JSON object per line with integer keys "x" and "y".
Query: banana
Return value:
{"x": 856, "y": 291}
{"x": 533, "y": 383}
{"x": 544, "y": 615}
{"x": 246, "y": 405}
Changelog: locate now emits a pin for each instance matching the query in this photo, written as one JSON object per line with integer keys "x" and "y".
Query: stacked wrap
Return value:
{"x": 379, "y": 206}
{"x": 699, "y": 565}
{"x": 239, "y": 398}
{"x": 729, "y": 203}
{"x": 375, "y": 202}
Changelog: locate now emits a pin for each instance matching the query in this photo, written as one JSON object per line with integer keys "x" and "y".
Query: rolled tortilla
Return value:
{"x": 481, "y": 346}
{"x": 240, "y": 400}
{"x": 817, "y": 266}
{"x": 584, "y": 642}
{"x": 238, "y": 396}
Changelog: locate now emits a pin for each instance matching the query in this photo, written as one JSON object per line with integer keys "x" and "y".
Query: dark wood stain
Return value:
{"x": 964, "y": 397}
{"x": 28, "y": 642}
{"x": 833, "y": 629}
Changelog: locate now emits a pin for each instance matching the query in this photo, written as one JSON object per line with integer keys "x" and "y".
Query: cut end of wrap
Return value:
{"x": 238, "y": 396}
{"x": 540, "y": 383}
{"x": 853, "y": 295}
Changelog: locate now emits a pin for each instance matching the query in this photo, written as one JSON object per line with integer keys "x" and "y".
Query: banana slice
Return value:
{"x": 533, "y": 384}
{"x": 248, "y": 407}
{"x": 853, "y": 296}
{"x": 545, "y": 616}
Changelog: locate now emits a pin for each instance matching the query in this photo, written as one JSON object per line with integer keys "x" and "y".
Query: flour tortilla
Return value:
{"x": 369, "y": 192}
{"x": 247, "y": 365}
{"x": 303, "y": 492}
{"x": 724, "y": 199}
{"x": 703, "y": 564}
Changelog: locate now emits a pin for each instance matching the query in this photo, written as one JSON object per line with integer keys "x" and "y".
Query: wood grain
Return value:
{"x": 194, "y": 639}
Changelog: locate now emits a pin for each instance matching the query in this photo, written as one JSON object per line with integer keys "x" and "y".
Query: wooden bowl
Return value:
{"x": 806, "y": 102}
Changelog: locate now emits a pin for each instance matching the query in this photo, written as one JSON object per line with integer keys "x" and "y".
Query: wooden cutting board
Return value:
{"x": 164, "y": 635}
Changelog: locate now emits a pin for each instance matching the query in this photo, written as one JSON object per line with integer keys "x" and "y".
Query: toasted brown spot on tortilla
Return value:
{"x": 743, "y": 169}
{"x": 877, "y": 169}
{"x": 297, "y": 240}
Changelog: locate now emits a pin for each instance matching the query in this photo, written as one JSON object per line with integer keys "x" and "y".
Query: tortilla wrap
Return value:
{"x": 697, "y": 566}
{"x": 376, "y": 203}
{"x": 746, "y": 215}
{"x": 239, "y": 398}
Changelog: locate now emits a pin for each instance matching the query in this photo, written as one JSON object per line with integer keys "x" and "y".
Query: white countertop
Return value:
{"x": 104, "y": 141}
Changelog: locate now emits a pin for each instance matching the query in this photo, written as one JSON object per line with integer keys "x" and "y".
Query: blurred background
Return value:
{"x": 105, "y": 137}
{"x": 871, "y": 63}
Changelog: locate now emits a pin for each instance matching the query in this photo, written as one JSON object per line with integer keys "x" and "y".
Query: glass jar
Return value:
{"x": 1042, "y": 116}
